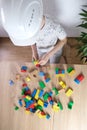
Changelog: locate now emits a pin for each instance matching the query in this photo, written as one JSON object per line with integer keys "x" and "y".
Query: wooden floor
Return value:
{"x": 9, "y": 52}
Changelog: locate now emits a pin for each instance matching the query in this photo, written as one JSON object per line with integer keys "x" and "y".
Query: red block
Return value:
{"x": 49, "y": 98}
{"x": 80, "y": 77}
{"x": 23, "y": 70}
{"x": 37, "y": 65}
{"x": 27, "y": 92}
{"x": 24, "y": 85}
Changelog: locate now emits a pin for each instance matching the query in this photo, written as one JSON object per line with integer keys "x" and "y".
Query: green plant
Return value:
{"x": 82, "y": 46}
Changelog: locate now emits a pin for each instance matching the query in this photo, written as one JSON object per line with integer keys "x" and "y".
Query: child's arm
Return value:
{"x": 58, "y": 46}
{"x": 34, "y": 52}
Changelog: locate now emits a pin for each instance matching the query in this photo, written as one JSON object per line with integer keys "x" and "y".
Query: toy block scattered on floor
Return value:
{"x": 62, "y": 84}
{"x": 55, "y": 90}
{"x": 27, "y": 79}
{"x": 70, "y": 104}
{"x": 69, "y": 92}
{"x": 24, "y": 68}
{"x": 59, "y": 72}
{"x": 38, "y": 99}
{"x": 60, "y": 105}
{"x": 70, "y": 70}
{"x": 42, "y": 85}
{"x": 55, "y": 107}
{"x": 11, "y": 82}
{"x": 36, "y": 63}
{"x": 79, "y": 78}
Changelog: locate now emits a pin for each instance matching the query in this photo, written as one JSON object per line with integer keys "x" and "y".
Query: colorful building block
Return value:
{"x": 55, "y": 107}
{"x": 33, "y": 93}
{"x": 40, "y": 102}
{"x": 60, "y": 105}
{"x": 62, "y": 84}
{"x": 70, "y": 104}
{"x": 11, "y": 82}
{"x": 55, "y": 90}
{"x": 79, "y": 78}
{"x": 45, "y": 104}
{"x": 16, "y": 108}
{"x": 42, "y": 85}
{"x": 41, "y": 73}
{"x": 24, "y": 68}
{"x": 37, "y": 94}
{"x": 27, "y": 79}
{"x": 47, "y": 116}
{"x": 20, "y": 102}
{"x": 41, "y": 93}
{"x": 45, "y": 96}
{"x": 69, "y": 92}
{"x": 70, "y": 70}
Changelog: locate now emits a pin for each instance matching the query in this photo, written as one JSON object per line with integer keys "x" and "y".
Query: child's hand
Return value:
{"x": 35, "y": 56}
{"x": 44, "y": 59}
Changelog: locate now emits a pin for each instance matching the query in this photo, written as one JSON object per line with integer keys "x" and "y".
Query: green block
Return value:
{"x": 41, "y": 84}
{"x": 23, "y": 91}
{"x": 70, "y": 69}
{"x": 26, "y": 100}
{"x": 16, "y": 108}
{"x": 56, "y": 91}
{"x": 39, "y": 107}
{"x": 56, "y": 69}
{"x": 60, "y": 105}
{"x": 45, "y": 96}
{"x": 70, "y": 104}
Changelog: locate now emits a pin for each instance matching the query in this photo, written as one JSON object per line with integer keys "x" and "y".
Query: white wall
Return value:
{"x": 64, "y": 12}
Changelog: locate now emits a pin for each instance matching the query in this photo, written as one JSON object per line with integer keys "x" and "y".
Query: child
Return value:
{"x": 49, "y": 42}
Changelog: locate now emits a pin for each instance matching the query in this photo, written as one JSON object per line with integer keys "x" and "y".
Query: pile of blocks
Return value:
{"x": 36, "y": 101}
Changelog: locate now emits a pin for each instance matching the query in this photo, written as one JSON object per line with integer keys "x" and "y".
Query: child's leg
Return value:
{"x": 56, "y": 57}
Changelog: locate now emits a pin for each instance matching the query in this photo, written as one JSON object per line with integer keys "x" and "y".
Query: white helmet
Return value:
{"x": 22, "y": 20}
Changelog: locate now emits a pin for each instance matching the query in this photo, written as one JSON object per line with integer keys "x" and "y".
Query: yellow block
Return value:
{"x": 28, "y": 97}
{"x": 40, "y": 102}
{"x": 41, "y": 116}
{"x": 36, "y": 62}
{"x": 37, "y": 94}
{"x": 69, "y": 92}
{"x": 27, "y": 112}
{"x": 60, "y": 75}
{"x": 28, "y": 79}
{"x": 56, "y": 108}
{"x": 72, "y": 72}
{"x": 62, "y": 84}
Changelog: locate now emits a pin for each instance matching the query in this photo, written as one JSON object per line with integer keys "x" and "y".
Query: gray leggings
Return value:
{"x": 54, "y": 59}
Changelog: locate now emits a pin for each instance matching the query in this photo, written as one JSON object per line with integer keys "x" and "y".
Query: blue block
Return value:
{"x": 41, "y": 93}
{"x": 11, "y": 82}
{"x": 32, "y": 110}
{"x": 26, "y": 88}
{"x": 45, "y": 104}
{"x": 51, "y": 102}
{"x": 47, "y": 80}
{"x": 51, "y": 93}
{"x": 77, "y": 81}
{"x": 29, "y": 103}
{"x": 24, "y": 68}
{"x": 56, "y": 72}
{"x": 20, "y": 102}
{"x": 41, "y": 73}
{"x": 63, "y": 71}
{"x": 47, "y": 116}
{"x": 33, "y": 93}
